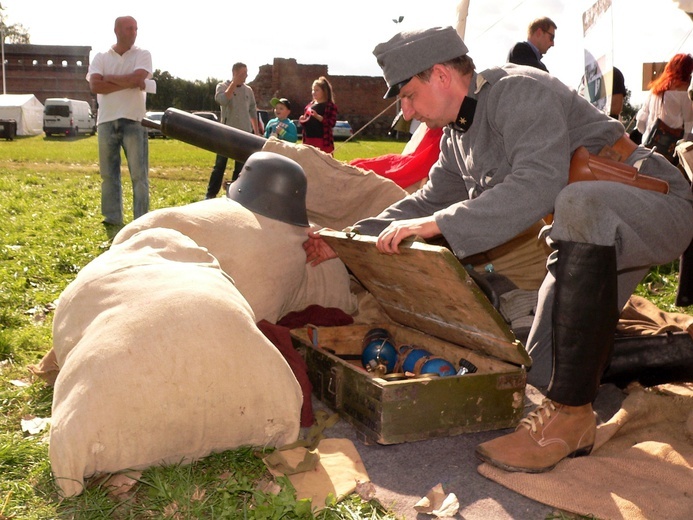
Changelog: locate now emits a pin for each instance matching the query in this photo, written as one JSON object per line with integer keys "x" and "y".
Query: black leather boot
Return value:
{"x": 585, "y": 314}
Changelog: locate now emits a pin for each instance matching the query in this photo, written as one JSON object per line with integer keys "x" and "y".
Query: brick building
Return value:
{"x": 359, "y": 98}
{"x": 48, "y": 71}
{"x": 59, "y": 71}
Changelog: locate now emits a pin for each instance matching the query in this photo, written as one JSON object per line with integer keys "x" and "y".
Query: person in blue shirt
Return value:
{"x": 281, "y": 126}
{"x": 541, "y": 34}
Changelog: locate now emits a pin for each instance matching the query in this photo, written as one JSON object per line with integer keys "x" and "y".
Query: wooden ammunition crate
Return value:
{"x": 435, "y": 305}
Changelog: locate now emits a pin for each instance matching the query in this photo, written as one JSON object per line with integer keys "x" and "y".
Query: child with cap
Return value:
{"x": 281, "y": 126}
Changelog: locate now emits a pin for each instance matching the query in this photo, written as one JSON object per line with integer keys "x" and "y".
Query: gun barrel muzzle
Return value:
{"x": 150, "y": 123}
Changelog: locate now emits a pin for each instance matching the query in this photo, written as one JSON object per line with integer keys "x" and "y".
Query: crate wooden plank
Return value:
{"x": 390, "y": 412}
{"x": 426, "y": 288}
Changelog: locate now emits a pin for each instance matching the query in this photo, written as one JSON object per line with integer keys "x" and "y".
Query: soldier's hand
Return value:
{"x": 317, "y": 250}
{"x": 390, "y": 238}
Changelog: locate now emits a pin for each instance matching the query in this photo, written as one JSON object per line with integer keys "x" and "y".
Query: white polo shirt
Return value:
{"x": 128, "y": 103}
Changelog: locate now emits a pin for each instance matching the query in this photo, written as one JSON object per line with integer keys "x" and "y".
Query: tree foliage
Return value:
{"x": 14, "y": 33}
{"x": 629, "y": 112}
{"x": 183, "y": 94}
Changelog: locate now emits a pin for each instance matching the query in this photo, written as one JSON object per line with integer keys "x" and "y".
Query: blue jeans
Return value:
{"x": 132, "y": 137}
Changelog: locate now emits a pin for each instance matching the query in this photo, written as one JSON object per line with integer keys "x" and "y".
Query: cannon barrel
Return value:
{"x": 208, "y": 135}
{"x": 150, "y": 123}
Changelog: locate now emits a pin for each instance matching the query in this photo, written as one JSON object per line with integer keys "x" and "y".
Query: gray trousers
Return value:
{"x": 645, "y": 227}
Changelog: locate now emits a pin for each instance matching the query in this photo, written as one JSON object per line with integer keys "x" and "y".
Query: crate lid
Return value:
{"x": 425, "y": 287}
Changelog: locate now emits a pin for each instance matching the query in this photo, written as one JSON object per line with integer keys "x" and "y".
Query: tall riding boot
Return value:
{"x": 585, "y": 314}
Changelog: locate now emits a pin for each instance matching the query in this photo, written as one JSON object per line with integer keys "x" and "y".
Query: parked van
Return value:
{"x": 65, "y": 116}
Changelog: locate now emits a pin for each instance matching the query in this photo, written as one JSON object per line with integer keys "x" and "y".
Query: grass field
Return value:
{"x": 50, "y": 229}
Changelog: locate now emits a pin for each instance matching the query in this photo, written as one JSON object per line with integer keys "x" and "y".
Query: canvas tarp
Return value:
{"x": 25, "y": 109}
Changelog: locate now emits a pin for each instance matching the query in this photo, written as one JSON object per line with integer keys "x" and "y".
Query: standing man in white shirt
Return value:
{"x": 117, "y": 76}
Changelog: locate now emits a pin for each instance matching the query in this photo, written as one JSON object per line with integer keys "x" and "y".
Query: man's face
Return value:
{"x": 546, "y": 39}
{"x": 427, "y": 102}
{"x": 126, "y": 31}
{"x": 240, "y": 75}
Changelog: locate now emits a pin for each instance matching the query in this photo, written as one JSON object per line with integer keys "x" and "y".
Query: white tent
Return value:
{"x": 26, "y": 109}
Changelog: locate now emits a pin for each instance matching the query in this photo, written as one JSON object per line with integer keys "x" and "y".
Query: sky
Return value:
{"x": 201, "y": 39}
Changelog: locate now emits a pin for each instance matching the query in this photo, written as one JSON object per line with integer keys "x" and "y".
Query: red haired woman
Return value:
{"x": 668, "y": 102}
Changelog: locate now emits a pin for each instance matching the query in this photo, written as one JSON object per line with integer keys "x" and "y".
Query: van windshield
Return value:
{"x": 58, "y": 110}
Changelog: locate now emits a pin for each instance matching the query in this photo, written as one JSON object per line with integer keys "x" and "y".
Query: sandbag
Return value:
{"x": 265, "y": 257}
{"x": 329, "y": 285}
{"x": 161, "y": 362}
{"x": 339, "y": 195}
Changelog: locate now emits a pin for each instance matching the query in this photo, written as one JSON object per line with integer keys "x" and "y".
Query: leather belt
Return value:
{"x": 505, "y": 249}
{"x": 620, "y": 150}
{"x": 490, "y": 256}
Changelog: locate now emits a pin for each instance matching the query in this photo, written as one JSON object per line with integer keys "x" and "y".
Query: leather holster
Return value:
{"x": 587, "y": 167}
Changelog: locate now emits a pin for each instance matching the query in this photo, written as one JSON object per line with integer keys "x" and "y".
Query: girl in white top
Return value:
{"x": 668, "y": 98}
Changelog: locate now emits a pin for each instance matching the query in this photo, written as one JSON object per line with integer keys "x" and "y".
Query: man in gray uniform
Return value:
{"x": 509, "y": 134}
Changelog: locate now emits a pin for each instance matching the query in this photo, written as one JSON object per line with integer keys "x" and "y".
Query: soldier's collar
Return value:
{"x": 465, "y": 116}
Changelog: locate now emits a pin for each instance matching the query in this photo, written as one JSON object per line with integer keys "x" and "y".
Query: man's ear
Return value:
{"x": 441, "y": 74}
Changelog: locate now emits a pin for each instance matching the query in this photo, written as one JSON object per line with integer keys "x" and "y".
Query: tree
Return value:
{"x": 629, "y": 112}
{"x": 183, "y": 94}
{"x": 165, "y": 88}
{"x": 15, "y": 33}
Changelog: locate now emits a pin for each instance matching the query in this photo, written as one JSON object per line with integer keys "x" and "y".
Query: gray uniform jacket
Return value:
{"x": 504, "y": 174}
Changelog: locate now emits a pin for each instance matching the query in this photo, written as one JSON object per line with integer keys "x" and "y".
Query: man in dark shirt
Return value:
{"x": 618, "y": 94}
{"x": 594, "y": 90}
{"x": 541, "y": 34}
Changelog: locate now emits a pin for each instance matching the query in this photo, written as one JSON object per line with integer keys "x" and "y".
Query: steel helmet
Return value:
{"x": 273, "y": 186}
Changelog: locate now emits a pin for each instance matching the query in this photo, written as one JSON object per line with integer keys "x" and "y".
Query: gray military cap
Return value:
{"x": 408, "y": 53}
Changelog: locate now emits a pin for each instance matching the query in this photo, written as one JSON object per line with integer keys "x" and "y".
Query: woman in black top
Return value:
{"x": 320, "y": 116}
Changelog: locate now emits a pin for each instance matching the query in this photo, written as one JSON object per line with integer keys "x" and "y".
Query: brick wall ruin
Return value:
{"x": 359, "y": 98}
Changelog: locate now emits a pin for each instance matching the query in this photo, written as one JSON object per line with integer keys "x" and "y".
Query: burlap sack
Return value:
{"x": 264, "y": 257}
{"x": 642, "y": 317}
{"x": 338, "y": 194}
{"x": 641, "y": 467}
{"x": 327, "y": 284}
{"x": 338, "y": 471}
{"x": 161, "y": 362}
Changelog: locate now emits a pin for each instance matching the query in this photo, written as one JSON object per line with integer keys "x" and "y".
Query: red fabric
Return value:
{"x": 405, "y": 170}
{"x": 317, "y": 142}
{"x": 316, "y": 315}
{"x": 281, "y": 338}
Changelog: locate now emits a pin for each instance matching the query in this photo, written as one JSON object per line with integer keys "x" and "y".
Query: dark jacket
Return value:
{"x": 523, "y": 54}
